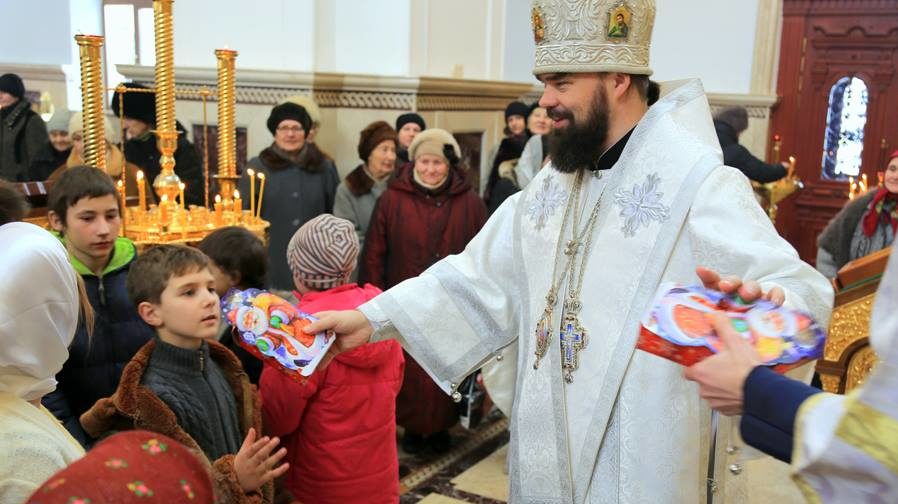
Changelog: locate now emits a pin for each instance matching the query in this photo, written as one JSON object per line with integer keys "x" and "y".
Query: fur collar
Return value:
{"x": 359, "y": 182}
{"x": 134, "y": 406}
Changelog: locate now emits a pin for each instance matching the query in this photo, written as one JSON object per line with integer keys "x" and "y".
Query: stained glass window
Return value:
{"x": 843, "y": 141}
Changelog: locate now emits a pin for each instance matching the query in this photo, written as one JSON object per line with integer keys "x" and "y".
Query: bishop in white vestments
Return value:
{"x": 564, "y": 271}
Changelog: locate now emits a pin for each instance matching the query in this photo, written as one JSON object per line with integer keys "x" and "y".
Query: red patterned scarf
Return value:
{"x": 883, "y": 208}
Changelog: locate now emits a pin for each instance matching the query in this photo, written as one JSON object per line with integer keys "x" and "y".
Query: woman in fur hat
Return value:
{"x": 300, "y": 184}
{"x": 427, "y": 213}
{"x": 359, "y": 191}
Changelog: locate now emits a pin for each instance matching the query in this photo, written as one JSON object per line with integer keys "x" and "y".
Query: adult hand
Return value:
{"x": 721, "y": 377}
{"x": 254, "y": 463}
{"x": 748, "y": 290}
{"x": 351, "y": 328}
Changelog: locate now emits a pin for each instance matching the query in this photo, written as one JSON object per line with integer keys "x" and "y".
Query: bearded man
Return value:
{"x": 635, "y": 195}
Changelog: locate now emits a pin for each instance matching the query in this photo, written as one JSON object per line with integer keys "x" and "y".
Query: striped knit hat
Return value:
{"x": 322, "y": 253}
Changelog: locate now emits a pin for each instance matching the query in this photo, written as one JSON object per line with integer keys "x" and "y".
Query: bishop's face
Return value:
{"x": 577, "y": 103}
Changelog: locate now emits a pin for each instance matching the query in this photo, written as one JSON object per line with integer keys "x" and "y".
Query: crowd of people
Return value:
{"x": 119, "y": 378}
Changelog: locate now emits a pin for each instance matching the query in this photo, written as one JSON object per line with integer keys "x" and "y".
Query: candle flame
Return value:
{"x": 218, "y": 198}
{"x": 251, "y": 173}
{"x": 139, "y": 174}
{"x": 236, "y": 194}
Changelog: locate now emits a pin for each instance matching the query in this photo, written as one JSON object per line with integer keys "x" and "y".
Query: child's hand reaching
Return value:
{"x": 254, "y": 463}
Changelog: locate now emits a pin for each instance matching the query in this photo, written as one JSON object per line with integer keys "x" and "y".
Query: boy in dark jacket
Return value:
{"x": 84, "y": 211}
{"x": 187, "y": 386}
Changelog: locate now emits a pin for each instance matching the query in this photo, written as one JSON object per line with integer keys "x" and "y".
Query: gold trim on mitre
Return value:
{"x": 580, "y": 36}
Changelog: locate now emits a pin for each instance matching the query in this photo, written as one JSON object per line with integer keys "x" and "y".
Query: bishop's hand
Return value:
{"x": 748, "y": 290}
{"x": 351, "y": 328}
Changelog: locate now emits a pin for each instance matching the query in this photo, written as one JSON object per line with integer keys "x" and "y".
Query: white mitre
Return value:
{"x": 579, "y": 36}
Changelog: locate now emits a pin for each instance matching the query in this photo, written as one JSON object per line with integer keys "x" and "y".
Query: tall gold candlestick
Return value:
{"x": 92, "y": 98}
{"x": 227, "y": 148}
{"x": 181, "y": 188}
{"x": 261, "y": 194}
{"x": 166, "y": 132}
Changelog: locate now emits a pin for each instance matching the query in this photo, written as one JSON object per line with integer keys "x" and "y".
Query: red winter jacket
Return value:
{"x": 340, "y": 427}
{"x": 413, "y": 227}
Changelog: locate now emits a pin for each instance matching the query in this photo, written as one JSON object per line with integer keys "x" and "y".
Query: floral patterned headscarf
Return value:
{"x": 133, "y": 466}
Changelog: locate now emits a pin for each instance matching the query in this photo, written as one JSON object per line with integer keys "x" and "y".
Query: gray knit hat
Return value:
{"x": 322, "y": 253}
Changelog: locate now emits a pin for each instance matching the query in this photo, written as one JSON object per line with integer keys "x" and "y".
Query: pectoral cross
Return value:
{"x": 573, "y": 339}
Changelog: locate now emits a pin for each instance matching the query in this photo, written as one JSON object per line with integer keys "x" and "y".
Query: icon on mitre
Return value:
{"x": 619, "y": 23}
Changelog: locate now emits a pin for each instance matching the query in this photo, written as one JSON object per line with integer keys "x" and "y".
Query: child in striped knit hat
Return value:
{"x": 339, "y": 428}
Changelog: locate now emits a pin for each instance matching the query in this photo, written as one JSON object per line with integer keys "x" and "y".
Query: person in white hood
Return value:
{"x": 39, "y": 309}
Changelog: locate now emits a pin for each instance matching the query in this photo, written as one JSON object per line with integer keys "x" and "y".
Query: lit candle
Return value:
{"x": 181, "y": 186}
{"x": 864, "y": 182}
{"x": 238, "y": 206}
{"x": 163, "y": 210}
{"x": 141, "y": 190}
{"x": 120, "y": 187}
{"x": 252, "y": 191}
{"x": 219, "y": 210}
{"x": 261, "y": 193}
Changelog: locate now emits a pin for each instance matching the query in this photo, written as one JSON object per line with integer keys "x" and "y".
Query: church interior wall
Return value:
{"x": 285, "y": 44}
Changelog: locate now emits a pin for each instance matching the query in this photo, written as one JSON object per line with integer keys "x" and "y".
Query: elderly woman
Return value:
{"x": 407, "y": 128}
{"x": 429, "y": 211}
{"x": 300, "y": 184}
{"x": 359, "y": 191}
{"x": 38, "y": 316}
{"x": 866, "y": 224}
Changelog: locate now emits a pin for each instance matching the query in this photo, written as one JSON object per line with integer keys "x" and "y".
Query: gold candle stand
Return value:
{"x": 92, "y": 100}
{"x": 227, "y": 148}
{"x": 167, "y": 183}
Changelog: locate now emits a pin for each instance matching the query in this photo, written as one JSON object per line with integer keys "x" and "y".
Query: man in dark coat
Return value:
{"x": 730, "y": 123}
{"x": 22, "y": 132}
{"x": 141, "y": 149}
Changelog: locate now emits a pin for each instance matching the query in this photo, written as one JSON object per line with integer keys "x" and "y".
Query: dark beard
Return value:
{"x": 579, "y": 145}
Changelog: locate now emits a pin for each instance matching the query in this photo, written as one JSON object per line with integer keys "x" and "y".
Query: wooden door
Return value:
{"x": 823, "y": 42}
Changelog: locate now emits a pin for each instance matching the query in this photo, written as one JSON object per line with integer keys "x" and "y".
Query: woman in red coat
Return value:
{"x": 427, "y": 213}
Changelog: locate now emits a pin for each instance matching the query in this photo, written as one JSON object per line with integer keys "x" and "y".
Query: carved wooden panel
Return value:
{"x": 823, "y": 41}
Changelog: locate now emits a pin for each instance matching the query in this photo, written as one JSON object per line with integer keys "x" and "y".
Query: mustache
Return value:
{"x": 558, "y": 113}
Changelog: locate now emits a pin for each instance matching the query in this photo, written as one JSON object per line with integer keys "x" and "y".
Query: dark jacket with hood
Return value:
{"x": 22, "y": 136}
{"x": 95, "y": 363}
{"x": 144, "y": 153}
{"x": 296, "y": 191}
{"x": 739, "y": 157}
{"x": 413, "y": 227}
{"x": 135, "y": 406}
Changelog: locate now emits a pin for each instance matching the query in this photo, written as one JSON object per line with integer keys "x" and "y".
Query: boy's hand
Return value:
{"x": 351, "y": 328}
{"x": 721, "y": 377}
{"x": 254, "y": 463}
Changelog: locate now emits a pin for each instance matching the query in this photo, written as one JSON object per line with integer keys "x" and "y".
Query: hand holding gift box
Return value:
{"x": 270, "y": 328}
{"x": 679, "y": 327}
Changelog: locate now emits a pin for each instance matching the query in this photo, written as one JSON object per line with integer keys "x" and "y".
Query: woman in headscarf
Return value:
{"x": 39, "y": 308}
{"x": 866, "y": 224}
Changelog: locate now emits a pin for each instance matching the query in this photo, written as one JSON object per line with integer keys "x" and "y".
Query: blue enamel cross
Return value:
{"x": 573, "y": 339}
